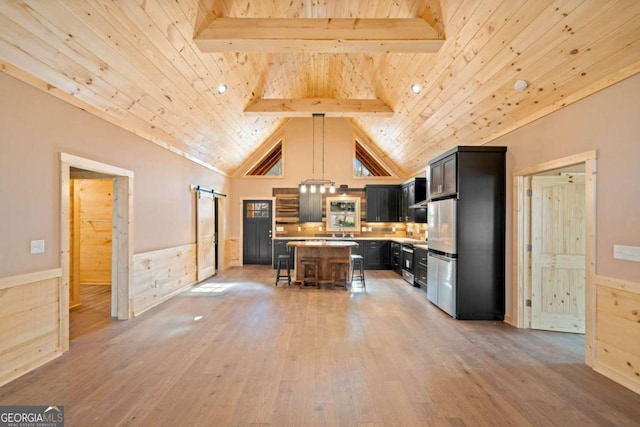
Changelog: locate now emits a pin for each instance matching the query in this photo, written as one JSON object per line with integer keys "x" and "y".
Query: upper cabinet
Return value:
{"x": 413, "y": 192}
{"x": 310, "y": 207}
{"x": 443, "y": 178}
{"x": 383, "y": 203}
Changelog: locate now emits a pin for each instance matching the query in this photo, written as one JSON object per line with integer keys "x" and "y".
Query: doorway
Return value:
{"x": 558, "y": 250}
{"x": 91, "y": 298}
{"x": 554, "y": 244}
{"x": 206, "y": 234}
{"x": 257, "y": 231}
{"x": 122, "y": 234}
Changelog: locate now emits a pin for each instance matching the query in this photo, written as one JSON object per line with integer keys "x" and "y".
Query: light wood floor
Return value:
{"x": 246, "y": 353}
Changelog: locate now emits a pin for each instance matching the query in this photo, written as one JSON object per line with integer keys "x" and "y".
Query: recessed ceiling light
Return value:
{"x": 521, "y": 85}
{"x": 416, "y": 88}
{"x": 222, "y": 89}
{"x": 383, "y": 132}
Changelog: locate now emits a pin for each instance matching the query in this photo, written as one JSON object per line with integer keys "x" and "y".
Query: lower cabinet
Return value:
{"x": 376, "y": 254}
{"x": 280, "y": 248}
{"x": 420, "y": 266}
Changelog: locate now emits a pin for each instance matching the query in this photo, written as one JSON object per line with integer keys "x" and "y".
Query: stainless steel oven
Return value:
{"x": 407, "y": 263}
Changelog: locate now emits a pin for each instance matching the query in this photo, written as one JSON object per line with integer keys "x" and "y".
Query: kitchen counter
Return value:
{"x": 392, "y": 239}
{"x": 324, "y": 250}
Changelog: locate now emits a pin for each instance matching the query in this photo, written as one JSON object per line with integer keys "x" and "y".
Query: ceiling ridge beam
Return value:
{"x": 320, "y": 35}
{"x": 304, "y": 107}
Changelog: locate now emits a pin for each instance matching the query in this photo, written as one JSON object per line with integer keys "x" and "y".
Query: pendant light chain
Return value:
{"x": 313, "y": 149}
{"x": 323, "y": 147}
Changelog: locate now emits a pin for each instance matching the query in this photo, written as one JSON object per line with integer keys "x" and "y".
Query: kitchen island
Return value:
{"x": 324, "y": 250}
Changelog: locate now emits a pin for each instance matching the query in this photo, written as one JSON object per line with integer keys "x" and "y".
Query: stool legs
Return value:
{"x": 339, "y": 272}
{"x": 357, "y": 262}
{"x": 310, "y": 271}
{"x": 279, "y": 275}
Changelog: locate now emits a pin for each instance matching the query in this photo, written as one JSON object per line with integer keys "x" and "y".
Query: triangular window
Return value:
{"x": 270, "y": 164}
{"x": 364, "y": 164}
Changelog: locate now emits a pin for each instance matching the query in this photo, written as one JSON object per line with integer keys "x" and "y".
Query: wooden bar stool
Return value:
{"x": 283, "y": 262}
{"x": 339, "y": 272}
{"x": 310, "y": 271}
{"x": 357, "y": 261}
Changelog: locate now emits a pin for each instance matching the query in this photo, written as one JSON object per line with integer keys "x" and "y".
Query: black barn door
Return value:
{"x": 256, "y": 241}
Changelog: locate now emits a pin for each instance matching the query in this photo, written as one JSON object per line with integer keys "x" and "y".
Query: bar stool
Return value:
{"x": 310, "y": 270}
{"x": 339, "y": 268}
{"x": 283, "y": 261}
{"x": 357, "y": 261}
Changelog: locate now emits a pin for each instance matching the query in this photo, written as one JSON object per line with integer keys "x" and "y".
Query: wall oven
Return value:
{"x": 407, "y": 263}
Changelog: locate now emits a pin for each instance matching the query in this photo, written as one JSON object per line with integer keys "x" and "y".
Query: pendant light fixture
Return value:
{"x": 314, "y": 185}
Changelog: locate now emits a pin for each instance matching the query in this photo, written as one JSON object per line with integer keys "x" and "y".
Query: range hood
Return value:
{"x": 419, "y": 205}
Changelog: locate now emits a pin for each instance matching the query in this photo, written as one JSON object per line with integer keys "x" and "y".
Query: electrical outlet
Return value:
{"x": 37, "y": 246}
{"x": 370, "y": 228}
{"x": 627, "y": 253}
{"x": 279, "y": 228}
{"x": 393, "y": 229}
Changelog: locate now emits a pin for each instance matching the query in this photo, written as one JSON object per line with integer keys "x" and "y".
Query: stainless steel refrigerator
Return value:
{"x": 441, "y": 258}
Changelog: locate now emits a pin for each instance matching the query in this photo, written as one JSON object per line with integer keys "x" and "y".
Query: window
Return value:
{"x": 364, "y": 164}
{"x": 270, "y": 164}
{"x": 257, "y": 210}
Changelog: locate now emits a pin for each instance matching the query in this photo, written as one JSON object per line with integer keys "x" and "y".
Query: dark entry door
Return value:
{"x": 256, "y": 241}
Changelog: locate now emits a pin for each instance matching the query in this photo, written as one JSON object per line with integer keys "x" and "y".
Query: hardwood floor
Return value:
{"x": 243, "y": 352}
{"x": 94, "y": 313}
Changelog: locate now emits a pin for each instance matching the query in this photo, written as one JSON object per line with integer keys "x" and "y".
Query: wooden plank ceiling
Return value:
{"x": 139, "y": 64}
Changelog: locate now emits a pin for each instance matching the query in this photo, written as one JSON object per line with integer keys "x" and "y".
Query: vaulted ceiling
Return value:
{"x": 153, "y": 67}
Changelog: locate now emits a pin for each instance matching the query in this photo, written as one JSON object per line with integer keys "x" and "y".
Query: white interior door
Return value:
{"x": 558, "y": 253}
{"x": 206, "y": 213}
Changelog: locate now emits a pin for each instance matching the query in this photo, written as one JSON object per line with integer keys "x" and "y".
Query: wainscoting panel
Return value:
{"x": 618, "y": 331}
{"x": 30, "y": 322}
{"x": 159, "y": 275}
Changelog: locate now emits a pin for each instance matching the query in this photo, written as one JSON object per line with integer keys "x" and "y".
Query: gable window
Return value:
{"x": 364, "y": 164}
{"x": 271, "y": 164}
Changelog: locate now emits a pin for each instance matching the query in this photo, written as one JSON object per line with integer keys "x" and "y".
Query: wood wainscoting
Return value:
{"x": 617, "y": 332}
{"x": 31, "y": 322}
{"x": 161, "y": 274}
{"x": 232, "y": 252}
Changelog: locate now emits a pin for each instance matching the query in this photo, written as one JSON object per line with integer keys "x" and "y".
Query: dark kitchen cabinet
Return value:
{"x": 280, "y": 248}
{"x": 444, "y": 177}
{"x": 473, "y": 285}
{"x": 395, "y": 257}
{"x": 420, "y": 266}
{"x": 412, "y": 192}
{"x": 310, "y": 207}
{"x": 376, "y": 254}
{"x": 383, "y": 203}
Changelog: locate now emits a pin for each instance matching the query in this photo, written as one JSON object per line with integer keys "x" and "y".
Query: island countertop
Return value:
{"x": 323, "y": 243}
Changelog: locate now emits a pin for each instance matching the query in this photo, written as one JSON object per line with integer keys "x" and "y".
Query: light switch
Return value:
{"x": 37, "y": 246}
{"x": 628, "y": 253}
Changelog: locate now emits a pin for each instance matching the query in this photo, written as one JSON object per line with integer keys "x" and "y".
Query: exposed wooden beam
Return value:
{"x": 330, "y": 107}
{"x": 336, "y": 35}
